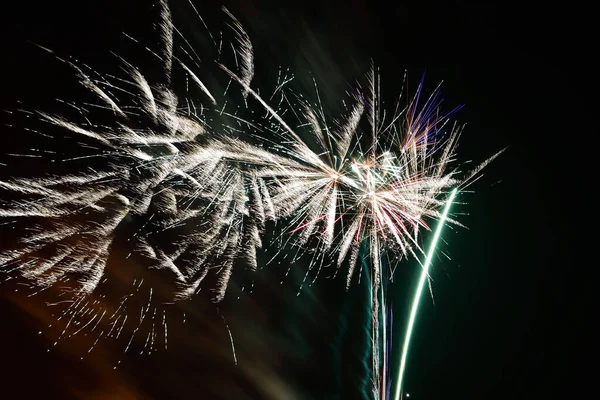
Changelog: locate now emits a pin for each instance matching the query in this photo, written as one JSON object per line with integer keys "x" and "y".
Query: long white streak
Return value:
{"x": 199, "y": 83}
{"x": 166, "y": 34}
{"x": 244, "y": 49}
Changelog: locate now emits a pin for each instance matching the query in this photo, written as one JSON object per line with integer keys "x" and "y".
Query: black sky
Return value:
{"x": 501, "y": 323}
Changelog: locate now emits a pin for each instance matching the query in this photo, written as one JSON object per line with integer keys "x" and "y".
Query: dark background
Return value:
{"x": 502, "y": 325}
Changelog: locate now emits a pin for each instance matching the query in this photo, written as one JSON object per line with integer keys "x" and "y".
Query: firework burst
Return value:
{"x": 187, "y": 190}
{"x": 357, "y": 186}
{"x": 153, "y": 186}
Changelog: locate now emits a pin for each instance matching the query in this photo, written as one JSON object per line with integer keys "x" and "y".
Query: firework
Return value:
{"x": 370, "y": 187}
{"x": 154, "y": 169}
{"x": 159, "y": 185}
{"x": 418, "y": 292}
{"x": 188, "y": 189}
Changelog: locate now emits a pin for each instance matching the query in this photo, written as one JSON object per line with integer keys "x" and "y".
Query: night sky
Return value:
{"x": 500, "y": 327}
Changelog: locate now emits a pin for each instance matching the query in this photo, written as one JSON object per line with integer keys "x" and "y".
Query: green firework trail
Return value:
{"x": 419, "y": 291}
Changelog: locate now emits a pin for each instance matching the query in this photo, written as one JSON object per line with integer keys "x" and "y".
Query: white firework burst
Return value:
{"x": 187, "y": 190}
{"x": 164, "y": 188}
{"x": 355, "y": 184}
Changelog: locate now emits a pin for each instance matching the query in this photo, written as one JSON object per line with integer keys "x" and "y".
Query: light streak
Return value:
{"x": 420, "y": 286}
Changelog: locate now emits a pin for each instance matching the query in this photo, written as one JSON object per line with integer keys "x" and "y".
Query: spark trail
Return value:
{"x": 419, "y": 291}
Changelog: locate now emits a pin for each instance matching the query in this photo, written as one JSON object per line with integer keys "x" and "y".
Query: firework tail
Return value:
{"x": 419, "y": 290}
{"x": 388, "y": 388}
{"x": 379, "y": 354}
{"x": 383, "y": 343}
{"x": 368, "y": 356}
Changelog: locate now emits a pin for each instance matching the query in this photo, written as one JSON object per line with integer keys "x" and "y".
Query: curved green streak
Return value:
{"x": 421, "y": 284}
